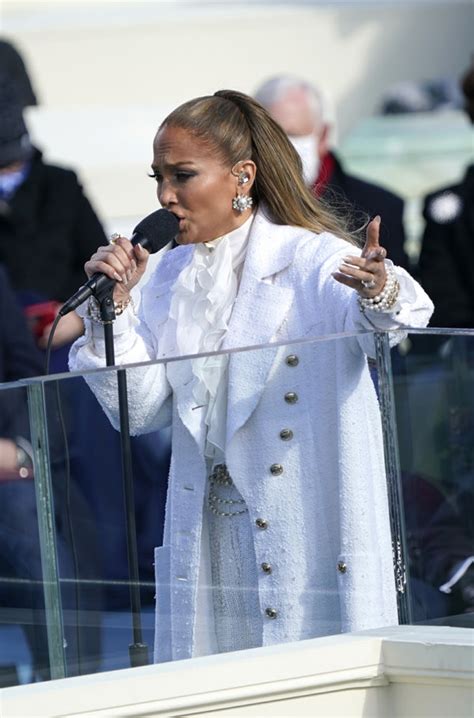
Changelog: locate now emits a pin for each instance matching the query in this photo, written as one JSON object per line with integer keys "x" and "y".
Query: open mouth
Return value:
{"x": 180, "y": 219}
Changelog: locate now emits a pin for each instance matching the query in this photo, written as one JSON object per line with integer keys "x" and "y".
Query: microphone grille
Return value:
{"x": 157, "y": 229}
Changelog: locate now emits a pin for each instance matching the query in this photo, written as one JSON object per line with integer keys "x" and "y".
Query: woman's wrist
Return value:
{"x": 385, "y": 300}
{"x": 120, "y": 306}
{"x": 121, "y": 294}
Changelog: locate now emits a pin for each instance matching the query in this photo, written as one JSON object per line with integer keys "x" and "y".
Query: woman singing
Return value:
{"x": 277, "y": 521}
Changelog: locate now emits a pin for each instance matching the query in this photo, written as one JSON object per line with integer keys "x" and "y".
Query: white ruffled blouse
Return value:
{"x": 201, "y": 305}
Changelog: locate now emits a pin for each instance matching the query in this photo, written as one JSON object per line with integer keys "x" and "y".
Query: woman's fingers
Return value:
{"x": 348, "y": 281}
{"x": 115, "y": 260}
{"x": 104, "y": 267}
{"x": 121, "y": 261}
{"x": 137, "y": 258}
{"x": 356, "y": 273}
{"x": 372, "y": 246}
{"x": 369, "y": 263}
{"x": 141, "y": 257}
{"x": 367, "y": 276}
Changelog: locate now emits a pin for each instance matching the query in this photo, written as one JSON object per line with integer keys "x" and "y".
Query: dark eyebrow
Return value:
{"x": 174, "y": 166}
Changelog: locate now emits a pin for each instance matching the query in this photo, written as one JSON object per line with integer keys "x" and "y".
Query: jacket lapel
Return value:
{"x": 259, "y": 311}
{"x": 181, "y": 379}
{"x": 179, "y": 371}
{"x": 260, "y": 308}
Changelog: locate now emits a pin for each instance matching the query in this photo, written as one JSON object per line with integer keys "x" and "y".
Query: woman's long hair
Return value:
{"x": 239, "y": 128}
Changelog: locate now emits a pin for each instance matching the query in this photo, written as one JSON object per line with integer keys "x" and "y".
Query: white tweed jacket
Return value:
{"x": 321, "y": 518}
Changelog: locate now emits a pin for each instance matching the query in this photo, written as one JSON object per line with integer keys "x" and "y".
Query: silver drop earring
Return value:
{"x": 241, "y": 202}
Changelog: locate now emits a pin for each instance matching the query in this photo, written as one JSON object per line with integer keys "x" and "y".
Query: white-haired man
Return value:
{"x": 298, "y": 107}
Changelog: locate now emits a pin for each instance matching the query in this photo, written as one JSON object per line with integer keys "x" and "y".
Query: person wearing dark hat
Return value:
{"x": 447, "y": 249}
{"x": 13, "y": 65}
{"x": 45, "y": 217}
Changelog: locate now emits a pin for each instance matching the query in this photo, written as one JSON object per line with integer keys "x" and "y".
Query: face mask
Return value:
{"x": 10, "y": 181}
{"x": 307, "y": 148}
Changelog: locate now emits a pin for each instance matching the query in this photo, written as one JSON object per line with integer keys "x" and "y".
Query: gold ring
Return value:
{"x": 114, "y": 237}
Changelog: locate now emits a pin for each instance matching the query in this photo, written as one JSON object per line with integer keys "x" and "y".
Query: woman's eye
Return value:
{"x": 184, "y": 176}
{"x": 179, "y": 177}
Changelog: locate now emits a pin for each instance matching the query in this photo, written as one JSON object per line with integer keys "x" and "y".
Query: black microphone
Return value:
{"x": 153, "y": 233}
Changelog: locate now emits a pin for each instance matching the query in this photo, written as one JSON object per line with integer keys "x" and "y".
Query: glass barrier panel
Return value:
{"x": 277, "y": 524}
{"x": 433, "y": 378}
{"x": 284, "y": 518}
{"x": 31, "y": 631}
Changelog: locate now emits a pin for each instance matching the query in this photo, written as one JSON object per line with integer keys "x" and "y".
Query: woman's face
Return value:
{"x": 195, "y": 185}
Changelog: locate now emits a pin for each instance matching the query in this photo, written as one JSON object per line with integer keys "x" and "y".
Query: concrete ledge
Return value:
{"x": 401, "y": 671}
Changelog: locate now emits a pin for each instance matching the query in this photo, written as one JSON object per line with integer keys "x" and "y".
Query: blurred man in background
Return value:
{"x": 447, "y": 250}
{"x": 297, "y": 106}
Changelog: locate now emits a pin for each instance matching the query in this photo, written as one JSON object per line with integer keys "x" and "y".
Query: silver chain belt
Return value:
{"x": 220, "y": 480}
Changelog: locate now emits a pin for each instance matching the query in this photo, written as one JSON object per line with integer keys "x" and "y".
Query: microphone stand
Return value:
{"x": 138, "y": 650}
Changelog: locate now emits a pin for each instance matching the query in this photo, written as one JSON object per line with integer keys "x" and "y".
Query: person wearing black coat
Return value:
{"x": 445, "y": 269}
{"x": 297, "y": 107}
{"x": 447, "y": 253}
{"x": 447, "y": 250}
{"x": 365, "y": 199}
{"x": 48, "y": 229}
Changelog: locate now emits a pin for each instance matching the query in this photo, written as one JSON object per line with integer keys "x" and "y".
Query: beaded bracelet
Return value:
{"x": 93, "y": 309}
{"x": 385, "y": 300}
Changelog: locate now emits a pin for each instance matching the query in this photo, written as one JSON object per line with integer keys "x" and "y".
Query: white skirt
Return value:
{"x": 228, "y": 615}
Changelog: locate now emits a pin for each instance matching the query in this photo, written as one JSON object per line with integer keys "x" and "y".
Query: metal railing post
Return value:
{"x": 47, "y": 529}
{"x": 392, "y": 470}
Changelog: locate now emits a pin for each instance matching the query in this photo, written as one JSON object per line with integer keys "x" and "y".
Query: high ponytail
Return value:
{"x": 239, "y": 128}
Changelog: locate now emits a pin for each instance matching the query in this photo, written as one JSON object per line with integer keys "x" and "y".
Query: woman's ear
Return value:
{"x": 245, "y": 171}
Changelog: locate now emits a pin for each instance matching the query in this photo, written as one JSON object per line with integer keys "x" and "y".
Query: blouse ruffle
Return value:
{"x": 201, "y": 306}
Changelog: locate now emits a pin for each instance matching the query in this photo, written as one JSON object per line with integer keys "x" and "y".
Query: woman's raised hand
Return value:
{"x": 122, "y": 261}
{"x": 366, "y": 274}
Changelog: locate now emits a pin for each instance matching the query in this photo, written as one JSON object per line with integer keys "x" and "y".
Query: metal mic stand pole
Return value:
{"x": 138, "y": 650}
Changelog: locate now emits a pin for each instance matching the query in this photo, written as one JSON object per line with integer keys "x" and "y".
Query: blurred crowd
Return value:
{"x": 48, "y": 229}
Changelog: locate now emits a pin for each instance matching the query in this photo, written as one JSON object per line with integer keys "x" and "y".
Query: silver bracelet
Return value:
{"x": 385, "y": 300}
{"x": 93, "y": 309}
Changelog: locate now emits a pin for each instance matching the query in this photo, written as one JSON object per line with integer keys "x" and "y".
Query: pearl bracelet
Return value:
{"x": 93, "y": 309}
{"x": 385, "y": 300}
